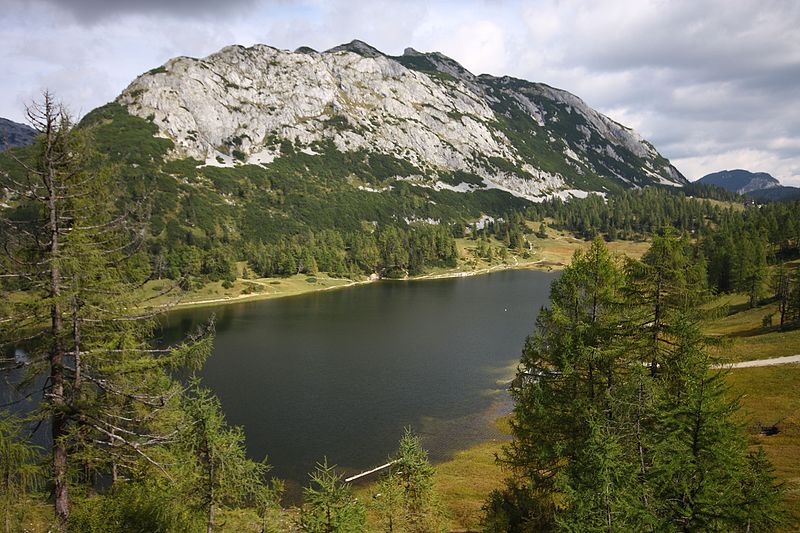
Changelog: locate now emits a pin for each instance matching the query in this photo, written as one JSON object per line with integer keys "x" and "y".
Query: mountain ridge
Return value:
{"x": 756, "y": 185}
{"x": 238, "y": 105}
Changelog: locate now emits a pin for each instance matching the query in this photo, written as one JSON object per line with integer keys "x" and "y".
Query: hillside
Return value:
{"x": 348, "y": 161}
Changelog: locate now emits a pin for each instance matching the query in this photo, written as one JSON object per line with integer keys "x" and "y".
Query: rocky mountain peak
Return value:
{"x": 357, "y": 47}
{"x": 239, "y": 104}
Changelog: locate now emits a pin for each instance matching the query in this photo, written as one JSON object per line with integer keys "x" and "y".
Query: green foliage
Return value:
{"x": 126, "y": 138}
{"x": 20, "y": 472}
{"x": 620, "y": 421}
{"x": 420, "y": 63}
{"x": 215, "y": 469}
{"x": 147, "y": 505}
{"x": 110, "y": 395}
{"x": 329, "y": 505}
{"x": 629, "y": 214}
{"x": 406, "y": 500}
{"x": 458, "y": 176}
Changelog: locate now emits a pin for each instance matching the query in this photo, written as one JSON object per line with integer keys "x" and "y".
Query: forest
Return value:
{"x": 620, "y": 420}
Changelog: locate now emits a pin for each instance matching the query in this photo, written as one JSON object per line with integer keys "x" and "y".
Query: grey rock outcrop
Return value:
{"x": 529, "y": 139}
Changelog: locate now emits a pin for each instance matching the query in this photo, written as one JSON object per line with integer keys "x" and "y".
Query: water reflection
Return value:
{"x": 340, "y": 373}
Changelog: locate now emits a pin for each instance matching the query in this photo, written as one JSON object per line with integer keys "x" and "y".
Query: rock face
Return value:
{"x": 239, "y": 104}
{"x": 740, "y": 181}
{"x": 15, "y": 134}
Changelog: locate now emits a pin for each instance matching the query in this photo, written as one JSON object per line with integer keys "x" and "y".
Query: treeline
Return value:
{"x": 743, "y": 242}
{"x": 739, "y": 245}
{"x": 629, "y": 214}
{"x": 390, "y": 251}
{"x": 621, "y": 421}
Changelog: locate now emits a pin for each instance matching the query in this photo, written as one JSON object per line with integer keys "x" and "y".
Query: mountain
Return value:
{"x": 740, "y": 181}
{"x": 15, "y": 134}
{"x": 269, "y": 155}
{"x": 347, "y": 161}
{"x": 757, "y": 185}
{"x": 422, "y": 111}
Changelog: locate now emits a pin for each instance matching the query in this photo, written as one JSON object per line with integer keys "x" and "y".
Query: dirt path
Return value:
{"x": 763, "y": 362}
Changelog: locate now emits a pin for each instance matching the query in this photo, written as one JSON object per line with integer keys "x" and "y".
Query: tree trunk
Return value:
{"x": 58, "y": 406}
{"x": 656, "y": 326}
{"x": 210, "y": 527}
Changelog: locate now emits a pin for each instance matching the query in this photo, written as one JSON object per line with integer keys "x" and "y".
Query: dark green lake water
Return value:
{"x": 340, "y": 373}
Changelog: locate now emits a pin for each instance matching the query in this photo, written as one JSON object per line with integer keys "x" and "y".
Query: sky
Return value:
{"x": 713, "y": 84}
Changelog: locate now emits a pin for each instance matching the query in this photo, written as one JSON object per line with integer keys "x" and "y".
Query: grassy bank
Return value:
{"x": 552, "y": 253}
{"x": 770, "y": 395}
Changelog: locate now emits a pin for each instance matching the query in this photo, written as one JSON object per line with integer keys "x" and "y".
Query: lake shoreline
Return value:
{"x": 541, "y": 265}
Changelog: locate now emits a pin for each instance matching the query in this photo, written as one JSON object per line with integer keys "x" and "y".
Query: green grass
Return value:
{"x": 465, "y": 481}
{"x": 771, "y": 396}
{"x": 214, "y": 293}
{"x": 768, "y": 395}
{"x": 748, "y": 339}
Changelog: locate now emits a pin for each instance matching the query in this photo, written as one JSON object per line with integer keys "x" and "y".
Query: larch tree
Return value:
{"x": 73, "y": 260}
{"x": 621, "y": 422}
{"x": 329, "y": 505}
{"x": 218, "y": 469}
{"x": 20, "y": 471}
{"x": 406, "y": 500}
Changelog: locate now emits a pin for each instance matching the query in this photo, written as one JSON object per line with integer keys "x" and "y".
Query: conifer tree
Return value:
{"x": 620, "y": 421}
{"x": 19, "y": 472}
{"x": 219, "y": 471}
{"x": 781, "y": 288}
{"x": 76, "y": 255}
{"x": 408, "y": 502}
{"x": 329, "y": 505}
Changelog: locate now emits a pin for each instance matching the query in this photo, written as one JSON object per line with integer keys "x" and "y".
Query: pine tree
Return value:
{"x": 407, "y": 500}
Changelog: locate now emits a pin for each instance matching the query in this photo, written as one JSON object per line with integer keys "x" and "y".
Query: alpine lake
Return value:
{"x": 339, "y": 374}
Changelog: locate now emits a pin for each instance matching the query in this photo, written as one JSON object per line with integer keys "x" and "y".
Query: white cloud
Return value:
{"x": 712, "y": 83}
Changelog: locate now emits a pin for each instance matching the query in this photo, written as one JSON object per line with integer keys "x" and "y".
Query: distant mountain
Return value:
{"x": 15, "y": 134}
{"x": 740, "y": 181}
{"x": 756, "y": 185}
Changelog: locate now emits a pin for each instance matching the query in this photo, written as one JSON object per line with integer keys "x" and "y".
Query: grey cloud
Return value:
{"x": 93, "y": 11}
